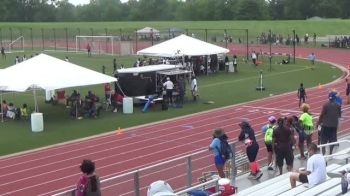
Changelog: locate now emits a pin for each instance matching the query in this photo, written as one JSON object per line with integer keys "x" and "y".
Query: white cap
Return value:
{"x": 160, "y": 188}
{"x": 167, "y": 78}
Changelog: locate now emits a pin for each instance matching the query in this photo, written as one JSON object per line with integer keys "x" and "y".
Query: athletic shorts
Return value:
{"x": 328, "y": 134}
{"x": 284, "y": 155}
{"x": 303, "y": 178}
{"x": 219, "y": 161}
{"x": 268, "y": 147}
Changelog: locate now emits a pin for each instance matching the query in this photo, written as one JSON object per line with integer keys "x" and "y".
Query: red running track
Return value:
{"x": 48, "y": 171}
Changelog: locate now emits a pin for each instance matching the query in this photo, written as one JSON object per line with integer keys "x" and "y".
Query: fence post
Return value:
{"x": 1, "y": 36}
{"x": 42, "y": 38}
{"x": 225, "y": 33}
{"x": 10, "y": 34}
{"x": 66, "y": 29}
{"x": 106, "y": 32}
{"x": 206, "y": 35}
{"x": 31, "y": 37}
{"x": 247, "y": 45}
{"x": 54, "y": 36}
{"x": 78, "y": 39}
{"x": 137, "y": 183}
{"x": 189, "y": 171}
{"x": 233, "y": 165}
{"x": 135, "y": 40}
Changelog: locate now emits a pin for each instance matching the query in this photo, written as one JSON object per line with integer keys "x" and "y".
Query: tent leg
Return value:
{"x": 35, "y": 101}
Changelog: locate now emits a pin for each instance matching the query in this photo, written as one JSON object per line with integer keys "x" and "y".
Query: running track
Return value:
{"x": 48, "y": 171}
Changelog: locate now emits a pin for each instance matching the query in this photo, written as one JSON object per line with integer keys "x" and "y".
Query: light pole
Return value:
{"x": 293, "y": 46}
{"x": 270, "y": 57}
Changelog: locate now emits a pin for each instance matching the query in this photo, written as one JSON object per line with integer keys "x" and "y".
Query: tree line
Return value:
{"x": 170, "y": 10}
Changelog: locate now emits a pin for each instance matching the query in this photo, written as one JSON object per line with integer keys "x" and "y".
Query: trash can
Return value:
{"x": 37, "y": 122}
{"x": 128, "y": 106}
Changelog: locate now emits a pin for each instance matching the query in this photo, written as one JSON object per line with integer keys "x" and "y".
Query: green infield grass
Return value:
{"x": 222, "y": 88}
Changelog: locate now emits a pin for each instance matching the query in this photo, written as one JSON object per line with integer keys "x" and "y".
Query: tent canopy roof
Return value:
{"x": 182, "y": 45}
{"x": 147, "y": 30}
{"x": 49, "y": 73}
{"x": 149, "y": 68}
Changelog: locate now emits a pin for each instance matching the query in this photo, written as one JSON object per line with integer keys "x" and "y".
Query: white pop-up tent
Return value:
{"x": 183, "y": 45}
{"x": 147, "y": 30}
{"x": 48, "y": 73}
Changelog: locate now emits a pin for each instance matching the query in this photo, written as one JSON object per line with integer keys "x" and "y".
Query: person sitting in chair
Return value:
{"x": 71, "y": 99}
{"x": 11, "y": 111}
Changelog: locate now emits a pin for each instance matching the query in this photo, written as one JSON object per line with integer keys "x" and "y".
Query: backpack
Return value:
{"x": 268, "y": 134}
{"x": 225, "y": 150}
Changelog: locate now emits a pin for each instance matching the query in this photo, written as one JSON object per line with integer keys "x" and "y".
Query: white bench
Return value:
{"x": 333, "y": 191}
{"x": 301, "y": 188}
{"x": 342, "y": 155}
{"x": 321, "y": 187}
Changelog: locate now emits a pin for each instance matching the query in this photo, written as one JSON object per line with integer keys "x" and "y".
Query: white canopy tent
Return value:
{"x": 147, "y": 30}
{"x": 182, "y": 45}
{"x": 48, "y": 73}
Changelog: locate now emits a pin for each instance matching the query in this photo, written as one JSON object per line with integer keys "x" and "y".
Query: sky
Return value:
{"x": 77, "y": 2}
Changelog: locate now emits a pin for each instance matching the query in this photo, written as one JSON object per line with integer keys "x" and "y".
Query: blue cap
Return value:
{"x": 332, "y": 95}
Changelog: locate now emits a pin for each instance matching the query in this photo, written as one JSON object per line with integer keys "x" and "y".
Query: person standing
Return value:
{"x": 282, "y": 142}
{"x": 89, "y": 182}
{"x": 315, "y": 172}
{"x": 347, "y": 91}
{"x": 247, "y": 136}
{"x": 215, "y": 146}
{"x": 312, "y": 59}
{"x": 301, "y": 94}
{"x": 298, "y": 127}
{"x": 88, "y": 48}
{"x": 306, "y": 120}
{"x": 114, "y": 65}
{"x": 254, "y": 57}
{"x": 103, "y": 69}
{"x": 267, "y": 132}
{"x": 3, "y": 52}
{"x": 194, "y": 88}
{"x": 328, "y": 120}
{"x": 169, "y": 86}
{"x": 235, "y": 64}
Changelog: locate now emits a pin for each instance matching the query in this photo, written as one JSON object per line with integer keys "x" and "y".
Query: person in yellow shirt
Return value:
{"x": 306, "y": 121}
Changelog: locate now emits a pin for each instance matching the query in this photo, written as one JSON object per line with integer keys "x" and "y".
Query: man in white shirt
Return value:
{"x": 315, "y": 172}
{"x": 194, "y": 88}
{"x": 169, "y": 86}
{"x": 254, "y": 57}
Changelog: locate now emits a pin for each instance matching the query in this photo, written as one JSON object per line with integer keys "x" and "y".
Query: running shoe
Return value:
{"x": 258, "y": 175}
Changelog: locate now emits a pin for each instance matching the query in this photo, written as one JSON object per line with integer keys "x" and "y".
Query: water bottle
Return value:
{"x": 344, "y": 184}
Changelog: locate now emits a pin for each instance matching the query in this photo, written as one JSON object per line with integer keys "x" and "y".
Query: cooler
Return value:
{"x": 128, "y": 105}
{"x": 37, "y": 122}
{"x": 230, "y": 67}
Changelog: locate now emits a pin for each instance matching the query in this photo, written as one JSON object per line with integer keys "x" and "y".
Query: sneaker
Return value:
{"x": 270, "y": 168}
{"x": 302, "y": 158}
{"x": 258, "y": 175}
{"x": 250, "y": 176}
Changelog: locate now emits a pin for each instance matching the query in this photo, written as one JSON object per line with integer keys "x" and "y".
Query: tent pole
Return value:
{"x": 35, "y": 101}
{"x": 2, "y": 112}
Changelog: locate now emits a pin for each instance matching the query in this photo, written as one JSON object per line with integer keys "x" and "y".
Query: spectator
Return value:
{"x": 215, "y": 146}
{"x": 347, "y": 91}
{"x": 107, "y": 89}
{"x": 66, "y": 59}
{"x": 114, "y": 65}
{"x": 182, "y": 89}
{"x": 24, "y": 112}
{"x": 328, "y": 120}
{"x": 103, "y": 69}
{"x": 4, "y": 107}
{"x": 17, "y": 60}
{"x": 11, "y": 111}
{"x": 301, "y": 94}
{"x": 88, "y": 48}
{"x": 339, "y": 102}
{"x": 301, "y": 136}
{"x": 306, "y": 120}
{"x": 315, "y": 172}
{"x": 160, "y": 188}
{"x": 169, "y": 86}
{"x": 247, "y": 136}
{"x": 3, "y": 54}
{"x": 194, "y": 88}
{"x": 73, "y": 97}
{"x": 282, "y": 145}
{"x": 267, "y": 132}
{"x": 235, "y": 64}
{"x": 89, "y": 182}
{"x": 254, "y": 58}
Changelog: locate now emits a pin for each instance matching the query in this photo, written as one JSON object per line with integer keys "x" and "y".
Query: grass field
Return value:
{"x": 320, "y": 27}
{"x": 222, "y": 88}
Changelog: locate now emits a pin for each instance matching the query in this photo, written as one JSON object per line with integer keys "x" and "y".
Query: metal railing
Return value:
{"x": 184, "y": 170}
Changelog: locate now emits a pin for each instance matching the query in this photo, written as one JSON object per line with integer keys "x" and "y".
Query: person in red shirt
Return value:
{"x": 107, "y": 89}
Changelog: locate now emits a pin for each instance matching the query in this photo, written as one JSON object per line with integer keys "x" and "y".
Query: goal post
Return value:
{"x": 98, "y": 44}
{"x": 16, "y": 45}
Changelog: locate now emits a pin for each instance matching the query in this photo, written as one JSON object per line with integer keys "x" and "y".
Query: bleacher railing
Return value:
{"x": 181, "y": 173}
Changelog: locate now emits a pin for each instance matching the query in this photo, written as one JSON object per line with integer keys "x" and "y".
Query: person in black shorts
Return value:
{"x": 301, "y": 94}
{"x": 328, "y": 120}
{"x": 282, "y": 141}
{"x": 347, "y": 91}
